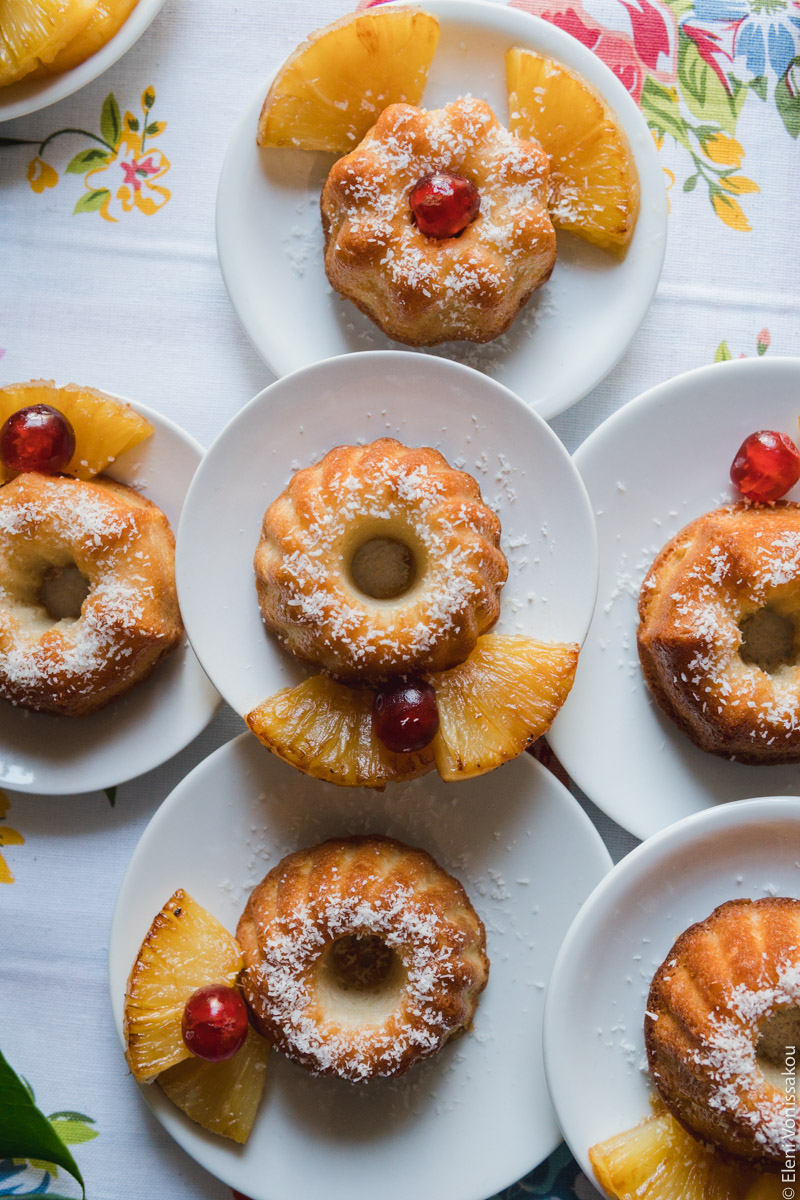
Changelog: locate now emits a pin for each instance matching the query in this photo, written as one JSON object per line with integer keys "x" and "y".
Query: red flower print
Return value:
{"x": 134, "y": 171}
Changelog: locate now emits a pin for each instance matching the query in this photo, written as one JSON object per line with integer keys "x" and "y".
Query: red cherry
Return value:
{"x": 766, "y": 465}
{"x": 405, "y": 715}
{"x": 215, "y": 1022}
{"x": 37, "y": 438}
{"x": 444, "y": 204}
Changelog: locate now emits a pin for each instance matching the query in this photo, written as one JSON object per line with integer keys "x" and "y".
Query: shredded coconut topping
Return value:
{"x": 428, "y": 946}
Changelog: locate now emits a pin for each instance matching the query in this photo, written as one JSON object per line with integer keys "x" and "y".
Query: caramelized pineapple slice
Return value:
{"x": 335, "y": 85}
{"x": 223, "y": 1097}
{"x": 185, "y": 949}
{"x": 104, "y": 427}
{"x": 659, "y": 1160}
{"x": 593, "y": 178}
{"x": 502, "y": 698}
{"x": 31, "y": 32}
{"x": 325, "y": 730}
{"x": 107, "y": 19}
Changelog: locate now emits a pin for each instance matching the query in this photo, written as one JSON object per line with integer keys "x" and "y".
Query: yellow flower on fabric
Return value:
{"x": 140, "y": 189}
{"x": 724, "y": 150}
{"x": 730, "y": 211}
{"x": 8, "y": 837}
{"x": 41, "y": 175}
{"x": 739, "y": 184}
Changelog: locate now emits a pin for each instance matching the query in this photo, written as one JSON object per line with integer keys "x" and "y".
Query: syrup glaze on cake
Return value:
{"x": 722, "y": 1014}
{"x": 420, "y": 290}
{"x": 362, "y": 956}
{"x": 88, "y": 606}
{"x": 380, "y": 560}
{"x": 719, "y": 632}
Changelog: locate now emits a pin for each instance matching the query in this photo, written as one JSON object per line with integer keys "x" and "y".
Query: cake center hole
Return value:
{"x": 768, "y": 639}
{"x": 362, "y": 963}
{"x": 778, "y": 1046}
{"x": 63, "y": 591}
{"x": 383, "y": 568}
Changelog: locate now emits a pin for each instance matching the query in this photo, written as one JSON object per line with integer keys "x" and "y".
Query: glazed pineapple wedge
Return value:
{"x": 186, "y": 948}
{"x": 107, "y": 18}
{"x": 104, "y": 426}
{"x": 324, "y": 728}
{"x": 332, "y": 89}
{"x": 223, "y": 1097}
{"x": 659, "y": 1160}
{"x": 593, "y": 178}
{"x": 501, "y": 699}
{"x": 31, "y": 33}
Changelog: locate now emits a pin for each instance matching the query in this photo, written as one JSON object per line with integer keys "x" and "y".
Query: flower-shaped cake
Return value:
{"x": 423, "y": 289}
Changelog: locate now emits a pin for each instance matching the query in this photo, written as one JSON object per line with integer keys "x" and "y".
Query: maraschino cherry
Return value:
{"x": 444, "y": 204}
{"x": 37, "y": 438}
{"x": 766, "y": 465}
{"x": 405, "y": 715}
{"x": 215, "y": 1023}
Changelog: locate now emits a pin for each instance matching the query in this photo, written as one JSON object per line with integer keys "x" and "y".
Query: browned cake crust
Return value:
{"x": 417, "y": 289}
{"x": 123, "y": 545}
{"x": 715, "y": 574}
{"x": 357, "y": 493}
{"x": 344, "y": 896}
{"x": 720, "y": 983}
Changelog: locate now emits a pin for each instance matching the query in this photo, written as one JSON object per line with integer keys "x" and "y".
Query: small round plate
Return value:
{"x": 476, "y": 1116}
{"x": 524, "y": 472}
{"x": 55, "y": 756}
{"x": 570, "y": 334}
{"x": 652, "y": 467}
{"x": 28, "y": 96}
{"x": 594, "y": 1016}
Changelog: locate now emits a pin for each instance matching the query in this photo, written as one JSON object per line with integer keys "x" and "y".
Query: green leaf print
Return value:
{"x": 25, "y": 1132}
{"x": 84, "y": 160}
{"x": 73, "y": 1132}
{"x": 788, "y": 102}
{"x": 661, "y": 109}
{"x": 705, "y": 95}
{"x": 110, "y": 120}
{"x": 92, "y": 201}
{"x": 723, "y": 353}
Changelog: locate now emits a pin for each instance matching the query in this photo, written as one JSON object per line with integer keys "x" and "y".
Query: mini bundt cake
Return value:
{"x": 423, "y": 289}
{"x": 380, "y": 560}
{"x": 362, "y": 956}
{"x": 719, "y": 632}
{"x": 721, "y": 1028}
{"x": 88, "y": 606}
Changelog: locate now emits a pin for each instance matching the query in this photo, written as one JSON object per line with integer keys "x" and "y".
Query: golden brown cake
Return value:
{"x": 422, "y": 290}
{"x": 380, "y": 560}
{"x": 719, "y": 632}
{"x": 722, "y": 1025}
{"x": 362, "y": 956}
{"x": 88, "y": 606}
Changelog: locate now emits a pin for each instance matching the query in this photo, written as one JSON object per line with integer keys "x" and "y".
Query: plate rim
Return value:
{"x": 658, "y": 849}
{"x": 58, "y": 87}
{"x": 157, "y": 419}
{"x": 617, "y": 422}
{"x": 499, "y": 16}
{"x": 344, "y": 362}
{"x": 127, "y": 886}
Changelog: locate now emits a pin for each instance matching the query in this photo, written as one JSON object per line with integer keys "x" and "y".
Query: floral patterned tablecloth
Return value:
{"x": 108, "y": 275}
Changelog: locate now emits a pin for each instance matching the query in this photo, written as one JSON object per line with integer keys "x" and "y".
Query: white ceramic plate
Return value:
{"x": 594, "y": 1016}
{"x": 476, "y": 1116}
{"x": 29, "y": 96}
{"x": 652, "y": 467}
{"x": 572, "y": 332}
{"x": 524, "y": 472}
{"x": 59, "y": 755}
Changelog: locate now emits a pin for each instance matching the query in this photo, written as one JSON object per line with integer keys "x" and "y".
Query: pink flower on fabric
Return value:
{"x": 642, "y": 37}
{"x": 135, "y": 170}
